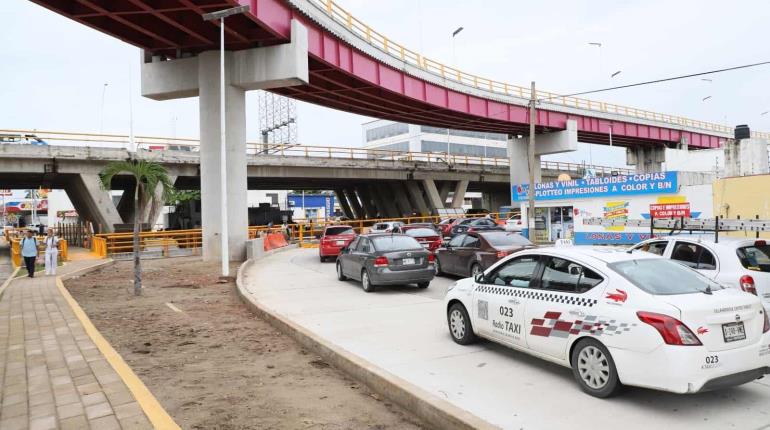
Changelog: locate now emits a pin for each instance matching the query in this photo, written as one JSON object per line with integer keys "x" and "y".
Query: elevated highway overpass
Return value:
{"x": 368, "y": 183}
{"x": 314, "y": 50}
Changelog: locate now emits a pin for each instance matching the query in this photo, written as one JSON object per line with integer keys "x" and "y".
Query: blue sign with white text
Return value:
{"x": 643, "y": 183}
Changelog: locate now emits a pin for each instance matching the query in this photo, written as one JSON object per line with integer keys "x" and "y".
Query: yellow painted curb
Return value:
{"x": 8, "y": 281}
{"x": 158, "y": 416}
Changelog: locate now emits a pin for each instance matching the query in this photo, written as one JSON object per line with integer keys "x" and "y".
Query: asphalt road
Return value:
{"x": 403, "y": 330}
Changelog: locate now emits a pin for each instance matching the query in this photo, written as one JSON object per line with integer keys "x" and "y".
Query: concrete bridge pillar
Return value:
{"x": 386, "y": 198}
{"x": 210, "y": 156}
{"x": 401, "y": 199}
{"x": 459, "y": 196}
{"x": 433, "y": 197}
{"x": 646, "y": 159}
{"x": 415, "y": 194}
{"x": 249, "y": 69}
{"x": 93, "y": 203}
{"x": 346, "y": 210}
{"x": 358, "y": 211}
{"x": 366, "y": 199}
{"x": 443, "y": 191}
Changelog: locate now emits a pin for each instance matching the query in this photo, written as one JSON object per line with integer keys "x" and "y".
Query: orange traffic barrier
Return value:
{"x": 275, "y": 240}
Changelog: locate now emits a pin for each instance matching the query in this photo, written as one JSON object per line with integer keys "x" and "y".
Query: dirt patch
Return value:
{"x": 215, "y": 365}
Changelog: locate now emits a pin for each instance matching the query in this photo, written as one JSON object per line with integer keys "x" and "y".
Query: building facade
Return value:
{"x": 397, "y": 136}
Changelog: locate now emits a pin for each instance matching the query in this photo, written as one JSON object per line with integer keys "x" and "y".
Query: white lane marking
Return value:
{"x": 173, "y": 308}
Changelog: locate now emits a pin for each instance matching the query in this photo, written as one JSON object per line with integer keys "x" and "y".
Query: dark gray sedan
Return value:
{"x": 386, "y": 259}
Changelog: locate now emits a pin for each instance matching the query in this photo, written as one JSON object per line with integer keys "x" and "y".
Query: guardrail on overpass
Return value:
{"x": 396, "y": 50}
{"x": 155, "y": 143}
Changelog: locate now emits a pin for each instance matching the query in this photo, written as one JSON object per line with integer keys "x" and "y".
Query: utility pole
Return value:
{"x": 531, "y": 162}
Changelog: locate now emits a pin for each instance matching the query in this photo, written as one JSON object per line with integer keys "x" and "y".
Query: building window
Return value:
{"x": 385, "y": 131}
{"x": 463, "y": 133}
{"x": 400, "y": 146}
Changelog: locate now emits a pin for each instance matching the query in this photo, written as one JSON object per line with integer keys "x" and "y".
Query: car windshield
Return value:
{"x": 663, "y": 277}
{"x": 333, "y": 231}
{"x": 395, "y": 243}
{"x": 755, "y": 257}
{"x": 381, "y": 226}
{"x": 466, "y": 221}
{"x": 421, "y": 232}
{"x": 501, "y": 238}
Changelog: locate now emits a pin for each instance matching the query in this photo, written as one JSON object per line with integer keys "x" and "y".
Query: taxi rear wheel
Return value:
{"x": 594, "y": 369}
{"x": 460, "y": 325}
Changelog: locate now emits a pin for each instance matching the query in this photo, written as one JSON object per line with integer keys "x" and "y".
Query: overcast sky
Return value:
{"x": 54, "y": 70}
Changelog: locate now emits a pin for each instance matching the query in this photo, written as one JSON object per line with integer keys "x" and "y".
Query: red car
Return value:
{"x": 333, "y": 239}
{"x": 446, "y": 225}
{"x": 429, "y": 238}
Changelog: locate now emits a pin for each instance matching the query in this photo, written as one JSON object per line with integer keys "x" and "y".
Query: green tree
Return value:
{"x": 147, "y": 175}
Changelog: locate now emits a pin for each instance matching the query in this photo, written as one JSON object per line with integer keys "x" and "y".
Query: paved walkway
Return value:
{"x": 52, "y": 373}
{"x": 403, "y": 331}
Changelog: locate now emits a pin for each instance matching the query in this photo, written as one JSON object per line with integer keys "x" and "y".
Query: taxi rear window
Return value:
{"x": 663, "y": 277}
{"x": 755, "y": 257}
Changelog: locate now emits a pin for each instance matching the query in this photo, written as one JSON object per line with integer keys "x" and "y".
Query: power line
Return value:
{"x": 746, "y": 66}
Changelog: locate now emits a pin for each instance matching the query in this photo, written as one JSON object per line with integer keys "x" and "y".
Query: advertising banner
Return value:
{"x": 623, "y": 185}
{"x": 670, "y": 210}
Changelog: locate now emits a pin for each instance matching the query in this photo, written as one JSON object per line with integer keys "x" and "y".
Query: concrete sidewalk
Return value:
{"x": 402, "y": 330}
{"x": 52, "y": 372}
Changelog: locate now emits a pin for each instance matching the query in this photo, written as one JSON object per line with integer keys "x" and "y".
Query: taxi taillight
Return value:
{"x": 747, "y": 284}
{"x": 673, "y": 331}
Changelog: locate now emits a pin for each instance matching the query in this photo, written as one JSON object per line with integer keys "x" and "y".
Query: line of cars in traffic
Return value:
{"x": 680, "y": 313}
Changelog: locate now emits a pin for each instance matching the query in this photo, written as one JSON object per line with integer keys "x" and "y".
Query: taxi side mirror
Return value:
{"x": 479, "y": 278}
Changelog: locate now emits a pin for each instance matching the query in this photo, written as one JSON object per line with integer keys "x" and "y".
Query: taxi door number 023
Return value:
{"x": 506, "y": 311}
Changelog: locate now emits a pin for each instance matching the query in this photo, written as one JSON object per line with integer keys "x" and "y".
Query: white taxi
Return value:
{"x": 616, "y": 318}
{"x": 736, "y": 262}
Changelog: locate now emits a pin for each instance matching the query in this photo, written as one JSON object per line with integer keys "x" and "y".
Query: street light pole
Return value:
{"x": 531, "y": 161}
{"x": 221, "y": 15}
{"x": 455, "y": 33}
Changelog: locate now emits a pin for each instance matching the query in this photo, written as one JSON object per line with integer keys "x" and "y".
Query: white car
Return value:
{"x": 616, "y": 318}
{"x": 731, "y": 261}
{"x": 514, "y": 224}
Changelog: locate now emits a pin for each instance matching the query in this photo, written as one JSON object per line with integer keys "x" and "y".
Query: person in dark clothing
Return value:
{"x": 29, "y": 252}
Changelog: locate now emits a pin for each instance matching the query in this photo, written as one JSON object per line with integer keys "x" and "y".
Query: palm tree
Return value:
{"x": 147, "y": 175}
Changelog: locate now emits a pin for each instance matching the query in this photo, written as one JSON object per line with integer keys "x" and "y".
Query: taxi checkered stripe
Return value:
{"x": 536, "y": 295}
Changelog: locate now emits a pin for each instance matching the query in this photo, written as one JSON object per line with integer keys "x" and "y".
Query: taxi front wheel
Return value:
{"x": 460, "y": 325}
{"x": 594, "y": 370}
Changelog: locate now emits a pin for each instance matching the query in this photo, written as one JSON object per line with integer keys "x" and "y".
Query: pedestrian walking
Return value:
{"x": 51, "y": 252}
{"x": 29, "y": 252}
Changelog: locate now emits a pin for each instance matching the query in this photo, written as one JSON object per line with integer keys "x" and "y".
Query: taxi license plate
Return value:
{"x": 733, "y": 331}
{"x": 406, "y": 261}
{"x": 340, "y": 242}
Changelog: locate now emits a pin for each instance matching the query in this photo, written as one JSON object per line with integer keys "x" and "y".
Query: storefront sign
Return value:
{"x": 609, "y": 238}
{"x": 646, "y": 183}
{"x": 670, "y": 210}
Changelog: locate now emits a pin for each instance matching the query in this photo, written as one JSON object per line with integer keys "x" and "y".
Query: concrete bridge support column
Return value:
{"x": 126, "y": 205}
{"x": 346, "y": 210}
{"x": 366, "y": 199}
{"x": 646, "y": 159}
{"x": 387, "y": 197}
{"x": 401, "y": 199}
{"x": 443, "y": 191}
{"x": 93, "y": 203}
{"x": 459, "y": 196}
{"x": 434, "y": 198}
{"x": 235, "y": 170}
{"x": 358, "y": 211}
{"x": 415, "y": 194}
